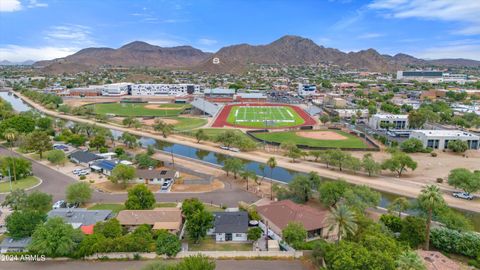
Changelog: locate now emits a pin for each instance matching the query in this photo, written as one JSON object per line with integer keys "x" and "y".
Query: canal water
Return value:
{"x": 278, "y": 174}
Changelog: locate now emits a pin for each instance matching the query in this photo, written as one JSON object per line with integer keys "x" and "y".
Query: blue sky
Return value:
{"x": 46, "y": 29}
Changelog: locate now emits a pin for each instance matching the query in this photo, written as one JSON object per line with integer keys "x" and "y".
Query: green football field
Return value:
{"x": 264, "y": 116}
{"x": 140, "y": 109}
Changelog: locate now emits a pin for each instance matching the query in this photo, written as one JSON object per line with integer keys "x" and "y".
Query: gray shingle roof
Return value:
{"x": 84, "y": 156}
{"x": 80, "y": 215}
{"x": 231, "y": 222}
{"x": 9, "y": 242}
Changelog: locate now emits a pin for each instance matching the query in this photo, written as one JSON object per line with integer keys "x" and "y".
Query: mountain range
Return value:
{"x": 288, "y": 50}
{"x": 24, "y": 63}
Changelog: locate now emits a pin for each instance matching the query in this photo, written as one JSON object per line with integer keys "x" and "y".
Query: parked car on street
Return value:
{"x": 59, "y": 204}
{"x": 463, "y": 195}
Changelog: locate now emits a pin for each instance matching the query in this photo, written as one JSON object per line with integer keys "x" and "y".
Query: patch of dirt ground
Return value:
{"x": 216, "y": 184}
{"x": 321, "y": 135}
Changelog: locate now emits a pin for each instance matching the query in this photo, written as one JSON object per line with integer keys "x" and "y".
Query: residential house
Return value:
{"x": 230, "y": 226}
{"x": 11, "y": 245}
{"x": 156, "y": 177}
{"x": 277, "y": 215}
{"x": 104, "y": 166}
{"x": 80, "y": 217}
{"x": 83, "y": 157}
{"x": 168, "y": 218}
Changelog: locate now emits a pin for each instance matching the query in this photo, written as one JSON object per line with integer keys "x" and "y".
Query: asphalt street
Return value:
{"x": 55, "y": 183}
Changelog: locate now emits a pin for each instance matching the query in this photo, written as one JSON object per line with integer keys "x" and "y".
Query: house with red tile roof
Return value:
{"x": 277, "y": 215}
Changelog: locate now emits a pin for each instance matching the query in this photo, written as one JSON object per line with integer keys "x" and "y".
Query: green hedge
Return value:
{"x": 464, "y": 243}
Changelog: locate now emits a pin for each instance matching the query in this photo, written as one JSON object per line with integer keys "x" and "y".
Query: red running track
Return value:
{"x": 221, "y": 119}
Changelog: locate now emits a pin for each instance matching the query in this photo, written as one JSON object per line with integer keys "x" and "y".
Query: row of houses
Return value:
{"x": 228, "y": 226}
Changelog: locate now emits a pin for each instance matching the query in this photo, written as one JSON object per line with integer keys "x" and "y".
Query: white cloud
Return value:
{"x": 16, "y": 53}
{"x": 463, "y": 11}
{"x": 370, "y": 35}
{"x": 70, "y": 34}
{"x": 207, "y": 42}
{"x": 10, "y": 5}
{"x": 468, "y": 51}
{"x": 35, "y": 3}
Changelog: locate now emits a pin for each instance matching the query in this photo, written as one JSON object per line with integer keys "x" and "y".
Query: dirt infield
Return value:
{"x": 221, "y": 120}
{"x": 321, "y": 135}
{"x": 157, "y": 107}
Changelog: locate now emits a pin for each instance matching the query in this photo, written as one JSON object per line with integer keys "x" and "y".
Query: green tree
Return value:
{"x": 79, "y": 193}
{"x": 301, "y": 188}
{"x": 98, "y": 141}
{"x": 399, "y": 162}
{"x": 22, "y": 224}
{"x": 361, "y": 197}
{"x": 144, "y": 161}
{"x": 409, "y": 260}
{"x": 294, "y": 233}
{"x": 198, "y": 224}
{"x": 38, "y": 201}
{"x": 458, "y": 146}
{"x": 316, "y": 154}
{"x": 370, "y": 165}
{"x": 38, "y": 141}
{"x": 56, "y": 157}
{"x": 129, "y": 140}
{"x": 412, "y": 145}
{"x": 400, "y": 204}
{"x": 55, "y": 238}
{"x": 417, "y": 119}
{"x": 123, "y": 174}
{"x": 233, "y": 165}
{"x": 331, "y": 192}
{"x": 291, "y": 150}
{"x": 17, "y": 166}
{"x": 338, "y": 158}
{"x": 464, "y": 179}
{"x": 168, "y": 244}
{"x": 271, "y": 163}
{"x": 163, "y": 127}
{"x": 342, "y": 219}
{"x": 227, "y": 138}
{"x": 44, "y": 123}
{"x": 140, "y": 197}
{"x": 413, "y": 231}
{"x": 110, "y": 228}
{"x": 190, "y": 206}
{"x": 254, "y": 234}
{"x": 128, "y": 121}
{"x": 16, "y": 200}
{"x": 429, "y": 200}
{"x": 200, "y": 135}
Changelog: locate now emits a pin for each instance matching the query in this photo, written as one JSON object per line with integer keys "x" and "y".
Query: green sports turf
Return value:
{"x": 264, "y": 116}
{"x": 352, "y": 141}
{"x": 188, "y": 123}
{"x": 138, "y": 109}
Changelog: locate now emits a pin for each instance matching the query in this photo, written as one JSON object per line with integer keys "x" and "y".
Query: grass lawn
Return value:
{"x": 188, "y": 123}
{"x": 209, "y": 244}
{"x": 291, "y": 136}
{"x": 24, "y": 183}
{"x": 259, "y": 116}
{"x": 165, "y": 204}
{"x": 140, "y": 109}
{"x": 115, "y": 207}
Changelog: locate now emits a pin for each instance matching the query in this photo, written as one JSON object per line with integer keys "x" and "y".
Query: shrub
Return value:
{"x": 439, "y": 180}
{"x": 413, "y": 231}
{"x": 412, "y": 146}
{"x": 433, "y": 154}
{"x": 83, "y": 177}
{"x": 394, "y": 223}
{"x": 452, "y": 241}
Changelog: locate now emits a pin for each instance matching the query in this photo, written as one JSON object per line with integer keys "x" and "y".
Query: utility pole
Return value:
{"x": 10, "y": 178}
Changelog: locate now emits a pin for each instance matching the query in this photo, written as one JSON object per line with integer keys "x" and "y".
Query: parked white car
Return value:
{"x": 59, "y": 204}
{"x": 463, "y": 195}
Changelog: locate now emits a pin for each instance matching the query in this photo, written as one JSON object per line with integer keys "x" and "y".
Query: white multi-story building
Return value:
{"x": 115, "y": 89}
{"x": 306, "y": 89}
{"x": 388, "y": 121}
{"x": 165, "y": 89}
{"x": 439, "y": 139}
{"x": 431, "y": 76}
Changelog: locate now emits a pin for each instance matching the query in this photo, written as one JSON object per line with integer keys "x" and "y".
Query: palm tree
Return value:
{"x": 11, "y": 136}
{"x": 343, "y": 219}
{"x": 245, "y": 175}
{"x": 272, "y": 163}
{"x": 429, "y": 200}
{"x": 399, "y": 205}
